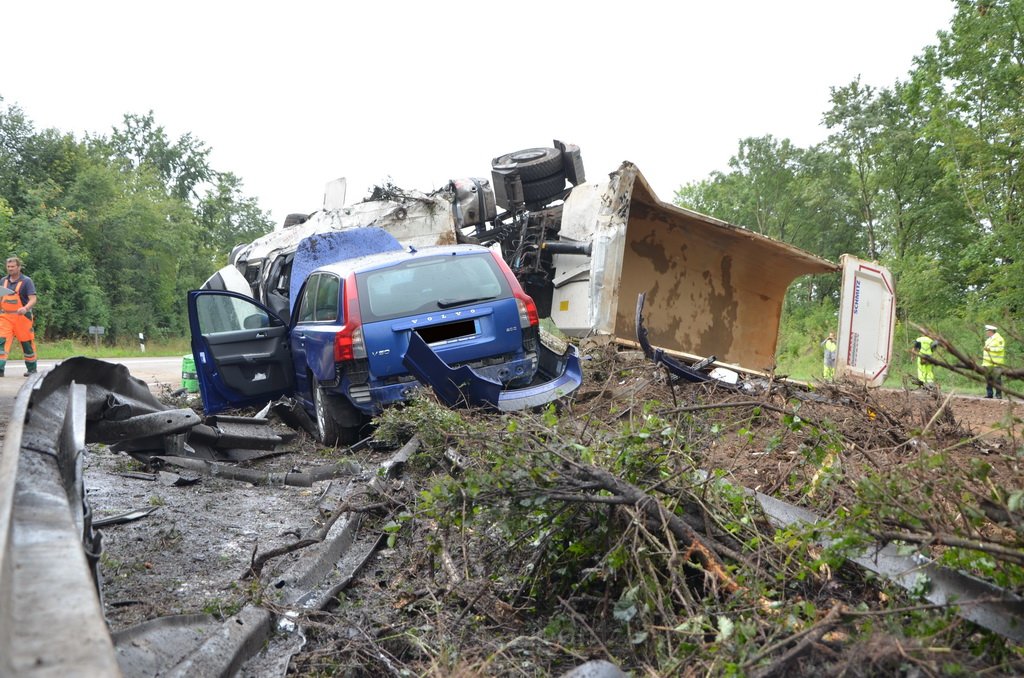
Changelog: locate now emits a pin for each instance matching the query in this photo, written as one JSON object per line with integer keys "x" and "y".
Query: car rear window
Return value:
{"x": 430, "y": 284}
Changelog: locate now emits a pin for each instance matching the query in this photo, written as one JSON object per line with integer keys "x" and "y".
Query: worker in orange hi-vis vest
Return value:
{"x": 18, "y": 297}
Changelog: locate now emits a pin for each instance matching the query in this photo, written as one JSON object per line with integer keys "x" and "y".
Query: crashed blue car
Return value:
{"x": 369, "y": 328}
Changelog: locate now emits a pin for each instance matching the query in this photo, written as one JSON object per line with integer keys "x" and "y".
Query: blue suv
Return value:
{"x": 367, "y": 330}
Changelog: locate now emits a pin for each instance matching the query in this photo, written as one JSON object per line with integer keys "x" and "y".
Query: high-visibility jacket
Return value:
{"x": 994, "y": 352}
{"x": 830, "y": 352}
{"x": 925, "y": 345}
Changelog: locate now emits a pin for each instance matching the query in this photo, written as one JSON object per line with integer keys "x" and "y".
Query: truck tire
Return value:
{"x": 532, "y": 164}
{"x": 543, "y": 191}
{"x": 337, "y": 420}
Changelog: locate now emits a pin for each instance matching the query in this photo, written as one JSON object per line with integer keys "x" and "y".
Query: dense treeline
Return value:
{"x": 924, "y": 176}
{"x": 115, "y": 229}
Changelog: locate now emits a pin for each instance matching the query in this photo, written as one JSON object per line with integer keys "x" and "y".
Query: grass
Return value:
{"x": 902, "y": 373}
{"x": 67, "y": 348}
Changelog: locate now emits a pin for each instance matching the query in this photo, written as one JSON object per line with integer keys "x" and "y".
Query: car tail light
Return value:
{"x": 528, "y": 316}
{"x": 348, "y": 342}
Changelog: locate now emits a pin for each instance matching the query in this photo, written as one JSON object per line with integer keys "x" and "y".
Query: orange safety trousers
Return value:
{"x": 16, "y": 326}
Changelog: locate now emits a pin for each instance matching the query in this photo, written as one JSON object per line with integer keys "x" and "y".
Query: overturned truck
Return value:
{"x": 584, "y": 251}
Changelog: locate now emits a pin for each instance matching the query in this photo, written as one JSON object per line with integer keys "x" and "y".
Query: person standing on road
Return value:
{"x": 18, "y": 298}
{"x": 831, "y": 351}
{"x": 924, "y": 346}
{"x": 993, "y": 356}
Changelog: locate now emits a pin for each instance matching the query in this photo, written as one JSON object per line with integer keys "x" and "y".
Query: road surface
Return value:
{"x": 159, "y": 373}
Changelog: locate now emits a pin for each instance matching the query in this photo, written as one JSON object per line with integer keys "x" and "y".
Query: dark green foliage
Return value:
{"x": 115, "y": 230}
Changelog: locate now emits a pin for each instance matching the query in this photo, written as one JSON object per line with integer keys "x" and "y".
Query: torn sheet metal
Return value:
{"x": 249, "y": 432}
{"x": 166, "y": 422}
{"x": 119, "y": 409}
{"x": 985, "y": 604}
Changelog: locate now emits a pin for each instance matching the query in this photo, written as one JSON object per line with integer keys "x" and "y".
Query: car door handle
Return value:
{"x": 261, "y": 335}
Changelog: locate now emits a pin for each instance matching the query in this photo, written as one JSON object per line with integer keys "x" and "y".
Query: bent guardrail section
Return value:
{"x": 51, "y": 617}
{"x": 51, "y": 610}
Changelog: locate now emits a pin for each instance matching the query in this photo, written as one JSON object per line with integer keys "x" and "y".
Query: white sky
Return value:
{"x": 291, "y": 95}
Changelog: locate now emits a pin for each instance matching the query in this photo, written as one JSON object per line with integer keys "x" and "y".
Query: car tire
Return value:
{"x": 334, "y": 417}
{"x": 532, "y": 164}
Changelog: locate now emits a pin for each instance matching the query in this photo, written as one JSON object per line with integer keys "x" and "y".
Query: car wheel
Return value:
{"x": 326, "y": 426}
{"x": 337, "y": 420}
{"x": 532, "y": 163}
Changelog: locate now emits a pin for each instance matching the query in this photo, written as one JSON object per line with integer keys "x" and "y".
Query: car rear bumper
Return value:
{"x": 466, "y": 386}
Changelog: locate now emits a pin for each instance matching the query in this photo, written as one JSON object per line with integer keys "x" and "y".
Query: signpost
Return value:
{"x": 96, "y": 331}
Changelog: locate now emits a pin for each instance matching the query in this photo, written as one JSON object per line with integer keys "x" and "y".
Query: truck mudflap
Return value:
{"x": 464, "y": 386}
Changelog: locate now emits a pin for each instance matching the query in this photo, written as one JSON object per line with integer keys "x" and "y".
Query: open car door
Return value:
{"x": 241, "y": 350}
{"x": 867, "y": 320}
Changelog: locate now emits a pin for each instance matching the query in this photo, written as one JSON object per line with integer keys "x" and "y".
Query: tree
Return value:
{"x": 70, "y": 298}
{"x": 969, "y": 92}
{"x": 183, "y": 166}
{"x": 855, "y": 114}
{"x": 228, "y": 218}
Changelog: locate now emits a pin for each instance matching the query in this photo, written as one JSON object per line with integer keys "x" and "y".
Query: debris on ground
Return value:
{"x": 617, "y": 526}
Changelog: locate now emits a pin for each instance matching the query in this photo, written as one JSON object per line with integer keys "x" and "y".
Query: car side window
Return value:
{"x": 219, "y": 313}
{"x": 305, "y": 304}
{"x": 327, "y": 299}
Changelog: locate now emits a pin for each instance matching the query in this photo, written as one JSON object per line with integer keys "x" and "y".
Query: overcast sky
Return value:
{"x": 291, "y": 95}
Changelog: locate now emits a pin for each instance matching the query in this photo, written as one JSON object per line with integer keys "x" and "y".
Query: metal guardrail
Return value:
{"x": 51, "y": 616}
{"x": 51, "y": 611}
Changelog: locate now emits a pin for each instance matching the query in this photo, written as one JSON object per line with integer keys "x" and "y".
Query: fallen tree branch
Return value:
{"x": 483, "y": 599}
{"x": 653, "y": 510}
{"x": 808, "y": 636}
{"x": 256, "y": 566}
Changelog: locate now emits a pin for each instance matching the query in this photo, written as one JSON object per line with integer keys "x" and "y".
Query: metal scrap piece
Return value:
{"x": 243, "y": 474}
{"x": 244, "y": 432}
{"x": 129, "y": 517}
{"x": 985, "y": 604}
{"x": 142, "y": 425}
{"x": 692, "y": 374}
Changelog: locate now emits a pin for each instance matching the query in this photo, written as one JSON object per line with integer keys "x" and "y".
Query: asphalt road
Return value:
{"x": 159, "y": 373}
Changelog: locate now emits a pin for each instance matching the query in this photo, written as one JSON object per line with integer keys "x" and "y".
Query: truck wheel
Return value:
{"x": 337, "y": 420}
{"x": 544, "y": 190}
{"x": 532, "y": 163}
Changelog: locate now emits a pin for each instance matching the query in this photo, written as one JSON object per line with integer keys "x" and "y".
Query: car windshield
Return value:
{"x": 423, "y": 285}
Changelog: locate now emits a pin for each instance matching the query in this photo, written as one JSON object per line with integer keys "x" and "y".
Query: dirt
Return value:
{"x": 193, "y": 553}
